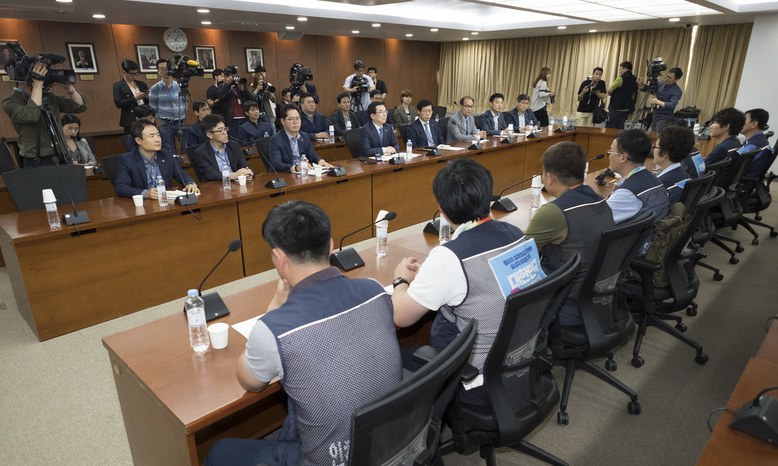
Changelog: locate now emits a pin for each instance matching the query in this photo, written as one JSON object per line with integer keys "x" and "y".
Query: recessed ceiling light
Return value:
{"x": 561, "y": 27}
{"x": 434, "y": 30}
{"x": 409, "y": 35}
{"x": 465, "y": 38}
{"x": 376, "y": 25}
{"x": 474, "y": 33}
{"x": 205, "y": 23}
{"x": 98, "y": 16}
{"x": 674, "y": 20}
{"x": 355, "y": 31}
{"x": 203, "y": 10}
{"x": 290, "y": 28}
{"x": 302, "y": 19}
{"x": 592, "y": 30}
{"x": 64, "y": 1}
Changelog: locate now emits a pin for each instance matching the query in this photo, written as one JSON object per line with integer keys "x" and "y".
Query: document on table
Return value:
{"x": 447, "y": 147}
{"x": 244, "y": 328}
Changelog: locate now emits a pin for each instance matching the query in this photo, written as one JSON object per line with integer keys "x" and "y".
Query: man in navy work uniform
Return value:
{"x": 330, "y": 339}
{"x": 456, "y": 279}
{"x": 137, "y": 170}
{"x": 674, "y": 144}
{"x": 572, "y": 223}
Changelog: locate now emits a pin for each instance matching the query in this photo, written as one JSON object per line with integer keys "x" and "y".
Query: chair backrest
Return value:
{"x": 353, "y": 140}
{"x": 514, "y": 375}
{"x": 723, "y": 169}
{"x": 694, "y": 189}
{"x": 403, "y": 129}
{"x": 443, "y": 123}
{"x": 607, "y": 320}
{"x": 439, "y": 111}
{"x": 109, "y": 164}
{"x": 25, "y": 185}
{"x": 8, "y": 161}
{"x": 263, "y": 149}
{"x": 404, "y": 426}
{"x": 90, "y": 141}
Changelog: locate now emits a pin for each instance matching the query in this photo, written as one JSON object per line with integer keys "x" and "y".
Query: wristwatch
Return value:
{"x": 399, "y": 281}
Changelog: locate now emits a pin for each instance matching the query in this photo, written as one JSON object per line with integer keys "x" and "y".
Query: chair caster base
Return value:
{"x": 562, "y": 418}
{"x": 637, "y": 361}
{"x": 734, "y": 260}
{"x": 739, "y": 248}
{"x": 633, "y": 407}
{"x": 691, "y": 311}
{"x": 681, "y": 327}
{"x": 718, "y": 277}
{"x": 773, "y": 234}
{"x": 701, "y": 359}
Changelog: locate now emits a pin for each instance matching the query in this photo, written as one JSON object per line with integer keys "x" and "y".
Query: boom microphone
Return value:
{"x": 503, "y": 204}
{"x": 348, "y": 259}
{"x": 214, "y": 304}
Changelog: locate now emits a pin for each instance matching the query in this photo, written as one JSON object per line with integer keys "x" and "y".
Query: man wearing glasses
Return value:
{"x": 129, "y": 93}
{"x": 461, "y": 126}
{"x": 210, "y": 159}
{"x": 289, "y": 145}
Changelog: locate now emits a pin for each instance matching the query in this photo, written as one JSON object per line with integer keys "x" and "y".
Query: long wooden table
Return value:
{"x": 127, "y": 259}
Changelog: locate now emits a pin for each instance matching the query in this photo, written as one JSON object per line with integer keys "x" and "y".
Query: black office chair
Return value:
{"x": 522, "y": 391}
{"x": 109, "y": 164}
{"x": 607, "y": 321}
{"x": 439, "y": 111}
{"x": 263, "y": 149}
{"x": 695, "y": 189}
{"x": 754, "y": 195}
{"x": 443, "y": 124}
{"x": 8, "y": 161}
{"x": 667, "y": 282}
{"x": 403, "y": 129}
{"x": 353, "y": 140}
{"x": 403, "y": 427}
{"x": 90, "y": 141}
{"x": 26, "y": 185}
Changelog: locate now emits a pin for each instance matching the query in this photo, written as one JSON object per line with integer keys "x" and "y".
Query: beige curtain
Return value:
{"x": 713, "y": 80}
{"x": 479, "y": 68}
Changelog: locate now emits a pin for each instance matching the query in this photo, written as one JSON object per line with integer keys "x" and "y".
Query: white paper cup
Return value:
{"x": 317, "y": 171}
{"x": 48, "y": 196}
{"x": 242, "y": 180}
{"x": 138, "y": 200}
{"x": 219, "y": 334}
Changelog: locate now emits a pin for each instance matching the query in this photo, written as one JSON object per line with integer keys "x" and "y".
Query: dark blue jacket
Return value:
{"x": 131, "y": 176}
{"x": 206, "y": 167}
{"x": 280, "y": 151}
{"x": 485, "y": 122}
{"x": 373, "y": 145}
{"x": 419, "y": 138}
{"x": 512, "y": 118}
{"x": 318, "y": 124}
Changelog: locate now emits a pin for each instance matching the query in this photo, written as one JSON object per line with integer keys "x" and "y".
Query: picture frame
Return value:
{"x": 148, "y": 56}
{"x": 206, "y": 55}
{"x": 254, "y": 58}
{"x": 82, "y": 57}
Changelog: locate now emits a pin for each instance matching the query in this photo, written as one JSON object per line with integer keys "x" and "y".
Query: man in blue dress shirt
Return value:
{"x": 209, "y": 160}
{"x": 665, "y": 100}
{"x": 492, "y": 121}
{"x": 377, "y": 136}
{"x": 288, "y": 145}
{"x": 171, "y": 111}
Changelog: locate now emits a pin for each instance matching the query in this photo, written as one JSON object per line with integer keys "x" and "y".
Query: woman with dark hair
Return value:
{"x": 78, "y": 149}
{"x": 541, "y": 96}
{"x": 129, "y": 93}
{"x": 405, "y": 113}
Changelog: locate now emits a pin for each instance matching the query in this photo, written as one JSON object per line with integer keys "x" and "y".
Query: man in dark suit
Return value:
{"x": 129, "y": 93}
{"x": 521, "y": 116}
{"x": 210, "y": 159}
{"x": 375, "y": 96}
{"x": 194, "y": 133}
{"x": 289, "y": 145}
{"x": 344, "y": 112}
{"x": 314, "y": 124}
{"x": 377, "y": 136}
{"x": 137, "y": 171}
{"x": 492, "y": 121}
{"x": 425, "y": 132}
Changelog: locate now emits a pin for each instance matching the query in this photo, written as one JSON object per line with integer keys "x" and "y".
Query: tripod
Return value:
{"x": 183, "y": 99}
{"x": 55, "y": 133}
{"x": 643, "y": 114}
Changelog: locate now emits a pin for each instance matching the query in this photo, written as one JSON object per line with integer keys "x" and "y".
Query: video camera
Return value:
{"x": 19, "y": 68}
{"x": 184, "y": 69}
{"x": 299, "y": 74}
{"x": 654, "y": 68}
{"x": 360, "y": 83}
{"x": 232, "y": 70}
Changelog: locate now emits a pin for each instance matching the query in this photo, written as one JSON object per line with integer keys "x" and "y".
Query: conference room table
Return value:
{"x": 127, "y": 259}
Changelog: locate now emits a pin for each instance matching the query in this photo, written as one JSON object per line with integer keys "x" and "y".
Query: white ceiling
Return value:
{"x": 455, "y": 19}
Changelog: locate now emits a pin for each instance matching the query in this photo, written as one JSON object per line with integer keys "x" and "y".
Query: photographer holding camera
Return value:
{"x": 264, "y": 94}
{"x": 590, "y": 94}
{"x": 230, "y": 95}
{"x": 27, "y": 103}
{"x": 359, "y": 85}
{"x": 664, "y": 98}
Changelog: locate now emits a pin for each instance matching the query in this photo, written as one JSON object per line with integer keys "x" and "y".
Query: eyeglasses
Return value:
{"x": 293, "y": 119}
{"x": 220, "y": 130}
{"x": 468, "y": 106}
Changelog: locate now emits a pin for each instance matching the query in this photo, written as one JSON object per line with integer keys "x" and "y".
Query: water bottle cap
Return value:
{"x": 193, "y": 293}
{"x": 332, "y": 128}
{"x": 536, "y": 181}
{"x": 48, "y": 196}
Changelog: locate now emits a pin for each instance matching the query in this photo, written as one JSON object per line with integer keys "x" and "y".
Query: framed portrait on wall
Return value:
{"x": 148, "y": 56}
{"x": 254, "y": 59}
{"x": 206, "y": 55}
{"x": 82, "y": 58}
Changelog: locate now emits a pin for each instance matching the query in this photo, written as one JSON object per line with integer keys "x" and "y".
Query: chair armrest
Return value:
{"x": 644, "y": 266}
{"x": 425, "y": 354}
{"x": 469, "y": 373}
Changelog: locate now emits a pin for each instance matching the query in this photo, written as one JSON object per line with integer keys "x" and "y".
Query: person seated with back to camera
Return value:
{"x": 211, "y": 159}
{"x": 288, "y": 146}
{"x": 137, "y": 171}
{"x": 78, "y": 148}
{"x": 254, "y": 128}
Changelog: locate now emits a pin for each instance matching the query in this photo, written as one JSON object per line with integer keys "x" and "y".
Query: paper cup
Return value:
{"x": 138, "y": 200}
{"x": 48, "y": 196}
{"x": 242, "y": 180}
{"x": 219, "y": 334}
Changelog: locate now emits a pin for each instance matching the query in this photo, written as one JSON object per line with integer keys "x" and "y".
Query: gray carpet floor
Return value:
{"x": 59, "y": 403}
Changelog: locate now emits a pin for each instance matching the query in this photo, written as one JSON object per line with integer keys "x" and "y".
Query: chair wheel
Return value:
{"x": 739, "y": 248}
{"x": 637, "y": 361}
{"x": 718, "y": 277}
{"x": 633, "y": 407}
{"x": 610, "y": 365}
{"x": 773, "y": 234}
{"x": 701, "y": 359}
{"x": 562, "y": 418}
{"x": 755, "y": 241}
{"x": 681, "y": 327}
{"x": 691, "y": 311}
{"x": 734, "y": 260}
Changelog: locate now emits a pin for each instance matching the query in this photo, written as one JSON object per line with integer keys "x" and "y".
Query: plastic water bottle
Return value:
{"x": 537, "y": 186}
{"x": 586, "y": 169}
{"x": 161, "y": 192}
{"x": 226, "y": 185}
{"x": 381, "y": 231}
{"x": 564, "y": 121}
{"x": 198, "y": 329}
{"x": 303, "y": 166}
{"x": 266, "y": 135}
{"x": 550, "y": 125}
{"x": 51, "y": 209}
{"x": 444, "y": 230}
{"x": 408, "y": 150}
{"x": 348, "y": 124}
{"x": 332, "y": 133}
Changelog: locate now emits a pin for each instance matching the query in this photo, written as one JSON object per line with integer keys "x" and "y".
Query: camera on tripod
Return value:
{"x": 19, "y": 68}
{"x": 360, "y": 83}
{"x": 184, "y": 69}
{"x": 655, "y": 67}
{"x": 298, "y": 75}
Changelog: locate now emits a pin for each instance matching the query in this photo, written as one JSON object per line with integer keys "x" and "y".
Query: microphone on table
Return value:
{"x": 337, "y": 170}
{"x": 214, "y": 304}
{"x": 433, "y": 226}
{"x": 503, "y": 204}
{"x": 77, "y": 217}
{"x": 601, "y": 177}
{"x": 348, "y": 259}
{"x": 188, "y": 198}
{"x": 277, "y": 182}
{"x": 759, "y": 417}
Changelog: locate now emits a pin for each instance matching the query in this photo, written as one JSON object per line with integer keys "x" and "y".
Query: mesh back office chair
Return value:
{"x": 25, "y": 186}
{"x": 439, "y": 111}
{"x": 263, "y": 149}
{"x": 403, "y": 129}
{"x": 90, "y": 140}
{"x": 522, "y": 391}
{"x": 8, "y": 161}
{"x": 671, "y": 287}
{"x": 353, "y": 139}
{"x": 754, "y": 194}
{"x": 443, "y": 123}
{"x": 607, "y": 321}
{"x": 729, "y": 211}
{"x": 109, "y": 164}
{"x": 403, "y": 427}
